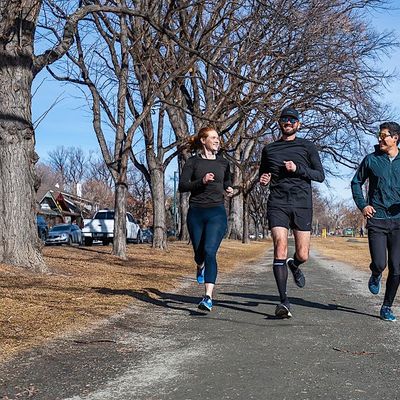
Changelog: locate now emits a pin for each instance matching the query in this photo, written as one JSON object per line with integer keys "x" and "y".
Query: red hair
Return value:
{"x": 194, "y": 142}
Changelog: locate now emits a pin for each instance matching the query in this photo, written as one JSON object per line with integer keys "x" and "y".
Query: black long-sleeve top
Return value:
{"x": 291, "y": 189}
{"x": 211, "y": 194}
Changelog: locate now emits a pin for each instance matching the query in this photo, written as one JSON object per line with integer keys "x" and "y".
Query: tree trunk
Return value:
{"x": 159, "y": 214}
{"x": 119, "y": 242}
{"x": 235, "y": 218}
{"x": 18, "y": 234}
{"x": 183, "y": 210}
{"x": 245, "y": 237}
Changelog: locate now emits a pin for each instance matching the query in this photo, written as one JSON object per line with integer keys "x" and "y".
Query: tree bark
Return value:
{"x": 119, "y": 242}
{"x": 159, "y": 217}
{"x": 236, "y": 208}
{"x": 245, "y": 238}
{"x": 183, "y": 210}
{"x": 19, "y": 241}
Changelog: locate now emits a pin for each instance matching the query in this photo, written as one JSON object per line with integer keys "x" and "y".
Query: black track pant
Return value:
{"x": 384, "y": 247}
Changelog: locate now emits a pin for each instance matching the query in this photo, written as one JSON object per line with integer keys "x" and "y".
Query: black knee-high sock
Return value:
{"x": 281, "y": 275}
{"x": 392, "y": 285}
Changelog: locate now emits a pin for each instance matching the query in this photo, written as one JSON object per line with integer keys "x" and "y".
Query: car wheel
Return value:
{"x": 69, "y": 241}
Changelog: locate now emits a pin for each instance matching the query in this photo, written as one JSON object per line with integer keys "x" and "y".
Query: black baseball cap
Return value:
{"x": 290, "y": 112}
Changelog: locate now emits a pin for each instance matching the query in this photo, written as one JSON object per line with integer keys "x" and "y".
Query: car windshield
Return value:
{"x": 105, "y": 215}
{"x": 59, "y": 228}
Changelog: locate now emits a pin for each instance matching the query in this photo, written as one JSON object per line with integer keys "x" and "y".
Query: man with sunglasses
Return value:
{"x": 289, "y": 165}
{"x": 382, "y": 211}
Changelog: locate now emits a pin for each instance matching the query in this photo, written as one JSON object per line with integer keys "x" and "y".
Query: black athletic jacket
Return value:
{"x": 291, "y": 189}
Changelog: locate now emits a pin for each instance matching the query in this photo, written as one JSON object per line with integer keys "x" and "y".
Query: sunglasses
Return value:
{"x": 292, "y": 120}
{"x": 382, "y": 135}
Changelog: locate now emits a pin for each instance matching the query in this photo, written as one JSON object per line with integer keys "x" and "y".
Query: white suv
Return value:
{"x": 101, "y": 227}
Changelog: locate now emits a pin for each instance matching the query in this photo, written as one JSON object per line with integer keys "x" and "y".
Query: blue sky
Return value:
{"x": 69, "y": 123}
{"x": 384, "y": 20}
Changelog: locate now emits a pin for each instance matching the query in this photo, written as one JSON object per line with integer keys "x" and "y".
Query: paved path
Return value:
{"x": 334, "y": 347}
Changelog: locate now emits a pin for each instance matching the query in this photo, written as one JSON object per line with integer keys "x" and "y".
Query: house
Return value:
{"x": 63, "y": 207}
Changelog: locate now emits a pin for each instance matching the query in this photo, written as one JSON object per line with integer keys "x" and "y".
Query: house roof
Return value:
{"x": 62, "y": 203}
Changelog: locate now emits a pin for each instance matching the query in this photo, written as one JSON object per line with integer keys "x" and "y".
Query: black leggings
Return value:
{"x": 384, "y": 247}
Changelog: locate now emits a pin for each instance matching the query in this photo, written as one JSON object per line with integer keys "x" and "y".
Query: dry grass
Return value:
{"x": 35, "y": 308}
{"x": 353, "y": 251}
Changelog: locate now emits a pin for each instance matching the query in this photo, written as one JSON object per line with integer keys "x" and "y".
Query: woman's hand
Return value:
{"x": 209, "y": 177}
{"x": 229, "y": 191}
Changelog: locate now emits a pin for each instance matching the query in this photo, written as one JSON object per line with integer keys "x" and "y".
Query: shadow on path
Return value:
{"x": 187, "y": 303}
{"x": 269, "y": 299}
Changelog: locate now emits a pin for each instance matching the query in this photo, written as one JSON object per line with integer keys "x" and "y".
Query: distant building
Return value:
{"x": 62, "y": 207}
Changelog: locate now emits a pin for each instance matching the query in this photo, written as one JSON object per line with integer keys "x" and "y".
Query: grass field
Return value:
{"x": 353, "y": 251}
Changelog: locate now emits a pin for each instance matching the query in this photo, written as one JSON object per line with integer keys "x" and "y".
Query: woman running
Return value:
{"x": 207, "y": 177}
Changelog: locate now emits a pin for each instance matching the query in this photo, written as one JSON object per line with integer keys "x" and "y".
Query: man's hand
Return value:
{"x": 265, "y": 179}
{"x": 229, "y": 191}
{"x": 209, "y": 177}
{"x": 368, "y": 211}
{"x": 290, "y": 166}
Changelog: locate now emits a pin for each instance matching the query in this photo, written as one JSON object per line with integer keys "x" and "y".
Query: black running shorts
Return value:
{"x": 298, "y": 219}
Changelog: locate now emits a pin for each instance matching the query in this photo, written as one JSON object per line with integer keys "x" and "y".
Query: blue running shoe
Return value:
{"x": 206, "y": 304}
{"x": 387, "y": 314}
{"x": 283, "y": 311}
{"x": 200, "y": 275}
{"x": 374, "y": 284}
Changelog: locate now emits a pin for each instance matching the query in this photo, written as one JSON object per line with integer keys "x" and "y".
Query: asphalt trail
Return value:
{"x": 334, "y": 347}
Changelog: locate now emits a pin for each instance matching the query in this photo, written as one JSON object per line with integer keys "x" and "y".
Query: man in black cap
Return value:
{"x": 289, "y": 165}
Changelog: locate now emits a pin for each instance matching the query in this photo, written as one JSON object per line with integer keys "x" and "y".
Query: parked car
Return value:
{"x": 348, "y": 232}
{"x": 147, "y": 235}
{"x": 101, "y": 227}
{"x": 64, "y": 234}
{"x": 42, "y": 227}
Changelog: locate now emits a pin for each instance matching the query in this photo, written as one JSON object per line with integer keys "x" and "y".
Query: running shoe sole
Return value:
{"x": 388, "y": 319}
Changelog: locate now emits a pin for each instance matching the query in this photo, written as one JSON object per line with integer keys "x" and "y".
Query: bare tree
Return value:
{"x": 104, "y": 65}
{"x": 98, "y": 192}
{"x": 145, "y": 90}
{"x": 139, "y": 191}
{"x": 46, "y": 176}
{"x": 70, "y": 164}
{"x": 318, "y": 56}
{"x": 18, "y": 67}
